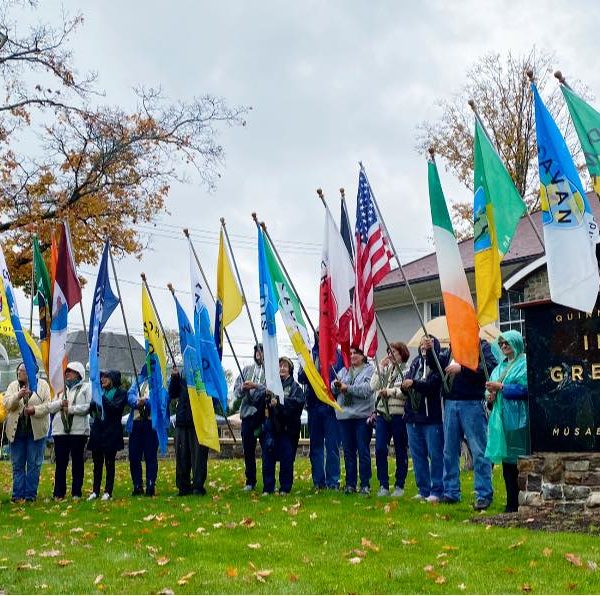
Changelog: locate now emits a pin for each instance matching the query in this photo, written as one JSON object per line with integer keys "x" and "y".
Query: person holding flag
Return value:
{"x": 247, "y": 391}
{"x": 281, "y": 430}
{"x": 26, "y": 427}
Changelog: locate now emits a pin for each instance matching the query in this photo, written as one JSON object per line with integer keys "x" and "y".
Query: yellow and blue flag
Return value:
{"x": 570, "y": 232}
{"x": 156, "y": 366}
{"x": 203, "y": 412}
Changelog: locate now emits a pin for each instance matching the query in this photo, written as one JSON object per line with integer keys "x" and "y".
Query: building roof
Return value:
{"x": 525, "y": 247}
{"x": 114, "y": 351}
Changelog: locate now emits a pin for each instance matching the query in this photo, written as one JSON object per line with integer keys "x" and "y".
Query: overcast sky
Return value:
{"x": 330, "y": 83}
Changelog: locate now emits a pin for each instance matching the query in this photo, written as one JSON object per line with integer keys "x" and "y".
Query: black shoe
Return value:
{"x": 184, "y": 493}
{"x": 150, "y": 492}
{"x": 199, "y": 492}
{"x": 482, "y": 504}
{"x": 137, "y": 491}
{"x": 447, "y": 500}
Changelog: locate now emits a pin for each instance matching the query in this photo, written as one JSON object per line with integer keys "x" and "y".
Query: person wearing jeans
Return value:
{"x": 464, "y": 416}
{"x": 389, "y": 421}
{"x": 324, "y": 452}
{"x": 423, "y": 415}
{"x": 26, "y": 430}
{"x": 106, "y": 432}
{"x": 70, "y": 430}
{"x": 353, "y": 392}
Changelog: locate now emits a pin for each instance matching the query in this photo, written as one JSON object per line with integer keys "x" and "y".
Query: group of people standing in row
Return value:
{"x": 428, "y": 407}
{"x": 77, "y": 422}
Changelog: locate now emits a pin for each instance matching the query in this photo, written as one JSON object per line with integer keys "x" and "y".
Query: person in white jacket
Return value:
{"x": 26, "y": 430}
{"x": 70, "y": 430}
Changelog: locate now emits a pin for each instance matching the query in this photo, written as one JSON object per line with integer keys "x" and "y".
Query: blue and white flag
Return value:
{"x": 570, "y": 232}
{"x": 104, "y": 304}
{"x": 268, "y": 308}
{"x": 212, "y": 369}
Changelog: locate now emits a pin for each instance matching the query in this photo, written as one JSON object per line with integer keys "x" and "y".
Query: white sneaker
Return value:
{"x": 419, "y": 497}
{"x": 92, "y": 497}
{"x": 248, "y": 488}
{"x": 432, "y": 499}
{"x": 105, "y": 497}
{"x": 398, "y": 492}
{"x": 383, "y": 492}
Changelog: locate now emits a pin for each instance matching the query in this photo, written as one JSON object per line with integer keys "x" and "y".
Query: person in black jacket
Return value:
{"x": 423, "y": 416}
{"x": 190, "y": 456}
{"x": 281, "y": 430}
{"x": 465, "y": 416}
{"x": 106, "y": 432}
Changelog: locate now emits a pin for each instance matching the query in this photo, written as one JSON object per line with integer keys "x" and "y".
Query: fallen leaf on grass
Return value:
{"x": 230, "y": 525}
{"x": 30, "y": 552}
{"x": 409, "y": 542}
{"x": 64, "y": 562}
{"x": 254, "y": 545}
{"x": 428, "y": 568}
{"x": 313, "y": 515}
{"x": 262, "y": 574}
{"x": 27, "y": 566}
{"x": 133, "y": 573}
{"x": 150, "y": 517}
{"x": 186, "y": 578}
{"x": 166, "y": 591}
{"x": 526, "y": 588}
{"x": 293, "y": 577}
{"x": 517, "y": 544}
{"x": 449, "y": 547}
{"x": 200, "y": 530}
{"x": 573, "y": 559}
{"x": 433, "y": 535}
{"x": 248, "y": 522}
{"x": 355, "y": 560}
{"x": 390, "y": 507}
{"x": 592, "y": 565}
{"x": 370, "y": 545}
{"x": 231, "y": 571}
{"x": 162, "y": 561}
{"x": 217, "y": 525}
{"x": 76, "y": 530}
{"x": 462, "y": 587}
{"x": 98, "y": 579}
{"x": 50, "y": 553}
{"x": 571, "y": 586}
{"x": 547, "y": 552}
{"x": 440, "y": 579}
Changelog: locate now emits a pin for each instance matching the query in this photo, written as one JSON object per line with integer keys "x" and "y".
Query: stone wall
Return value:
{"x": 561, "y": 482}
{"x": 536, "y": 286}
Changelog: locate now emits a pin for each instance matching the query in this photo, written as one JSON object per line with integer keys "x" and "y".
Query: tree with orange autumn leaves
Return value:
{"x": 93, "y": 165}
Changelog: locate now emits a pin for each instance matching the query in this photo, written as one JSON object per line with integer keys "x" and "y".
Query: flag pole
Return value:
{"x": 68, "y": 232}
{"x": 237, "y": 273}
{"x": 529, "y": 218}
{"x": 387, "y": 343}
{"x": 187, "y": 235}
{"x": 114, "y": 269}
{"x": 345, "y": 208}
{"x": 263, "y": 225}
{"x": 145, "y": 282}
{"x": 172, "y": 290}
{"x": 32, "y": 295}
{"x": 408, "y": 287}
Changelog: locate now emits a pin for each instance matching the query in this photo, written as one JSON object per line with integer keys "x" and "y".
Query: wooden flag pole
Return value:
{"x": 172, "y": 290}
{"x": 408, "y": 287}
{"x": 237, "y": 362}
{"x": 237, "y": 273}
{"x": 263, "y": 225}
{"x": 114, "y": 269}
{"x": 143, "y": 276}
{"x": 529, "y": 218}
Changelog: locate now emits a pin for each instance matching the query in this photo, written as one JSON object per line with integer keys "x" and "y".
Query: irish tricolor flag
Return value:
{"x": 458, "y": 302}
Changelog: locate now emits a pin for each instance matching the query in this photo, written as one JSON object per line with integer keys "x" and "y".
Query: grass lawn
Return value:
{"x": 232, "y": 542}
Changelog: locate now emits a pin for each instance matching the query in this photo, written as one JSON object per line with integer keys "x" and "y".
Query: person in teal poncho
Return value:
{"x": 508, "y": 428}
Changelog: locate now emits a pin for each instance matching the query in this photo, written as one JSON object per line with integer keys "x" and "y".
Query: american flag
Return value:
{"x": 372, "y": 265}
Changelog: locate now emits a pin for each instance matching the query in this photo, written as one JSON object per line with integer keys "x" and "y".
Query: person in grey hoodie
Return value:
{"x": 353, "y": 392}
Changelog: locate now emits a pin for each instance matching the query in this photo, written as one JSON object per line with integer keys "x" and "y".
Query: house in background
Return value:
{"x": 522, "y": 266}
